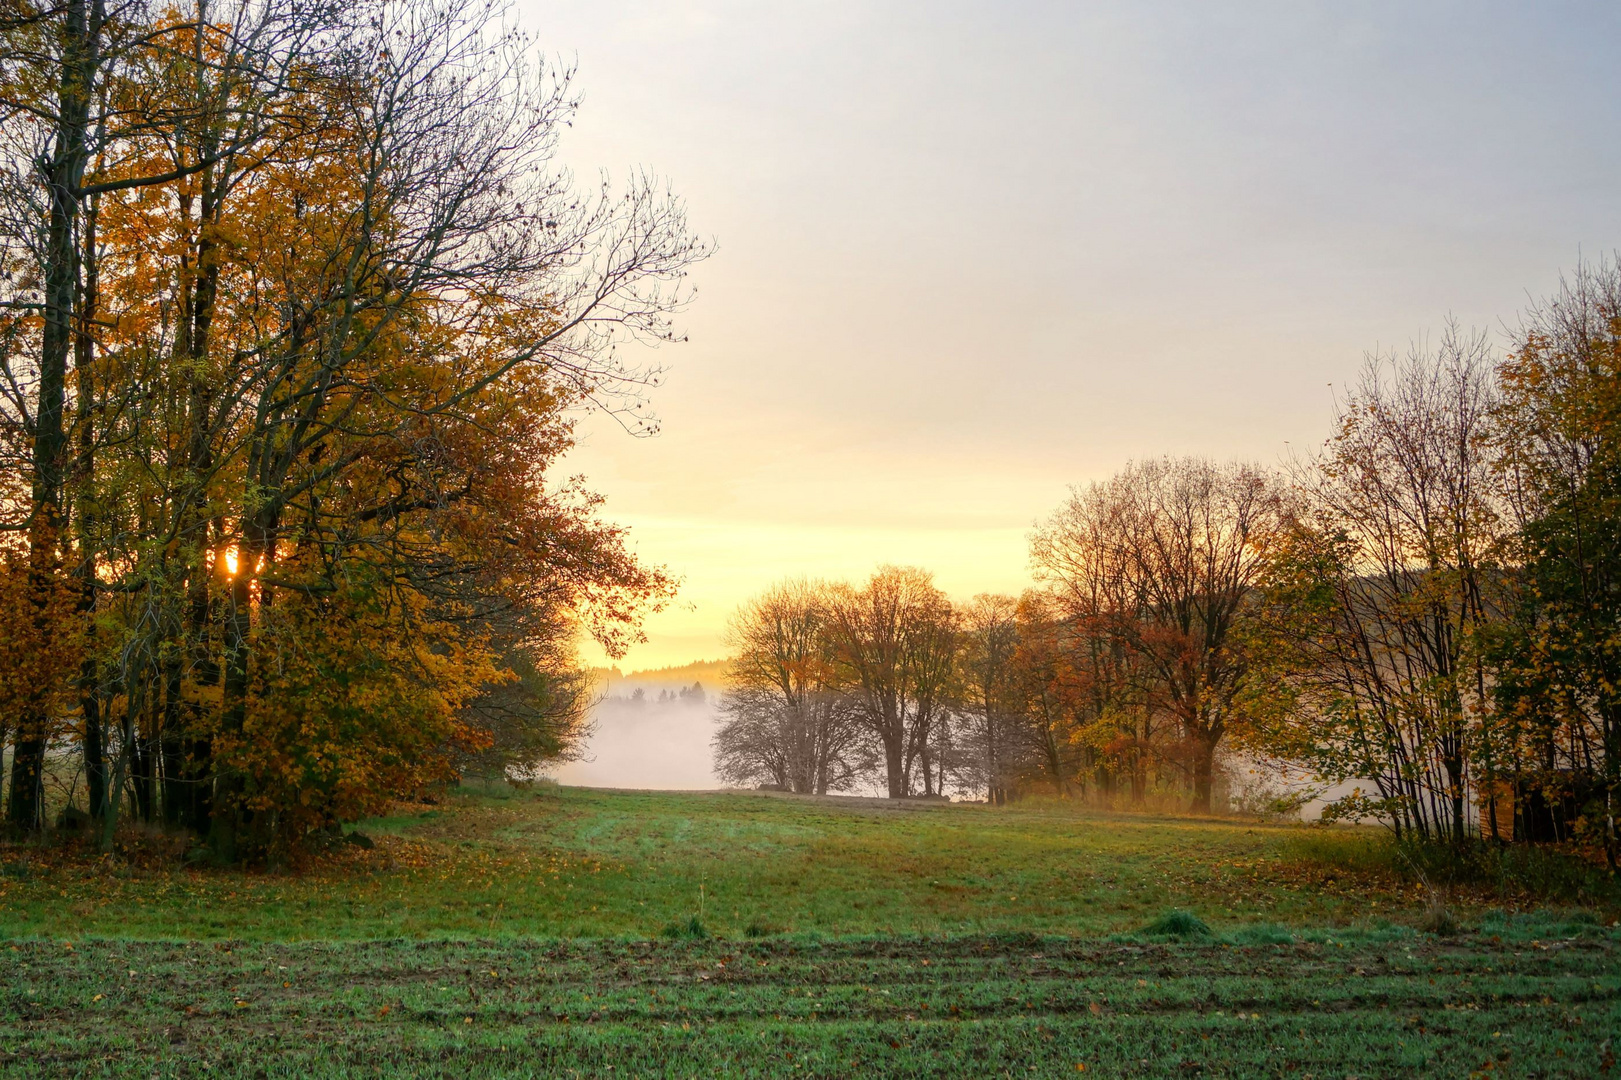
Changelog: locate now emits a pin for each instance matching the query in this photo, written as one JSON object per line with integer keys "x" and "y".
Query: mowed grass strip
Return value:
{"x": 562, "y": 862}
{"x": 1374, "y": 1005}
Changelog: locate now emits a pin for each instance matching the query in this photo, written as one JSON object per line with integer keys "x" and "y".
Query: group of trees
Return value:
{"x": 1429, "y": 607}
{"x": 830, "y": 684}
{"x": 1120, "y": 677}
{"x": 295, "y": 312}
{"x": 1440, "y": 617}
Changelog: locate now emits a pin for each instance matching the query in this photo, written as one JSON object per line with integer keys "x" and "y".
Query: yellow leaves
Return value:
{"x": 353, "y": 712}
{"x": 41, "y": 638}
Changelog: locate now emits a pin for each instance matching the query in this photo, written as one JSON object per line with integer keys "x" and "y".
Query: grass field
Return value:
{"x": 528, "y": 935}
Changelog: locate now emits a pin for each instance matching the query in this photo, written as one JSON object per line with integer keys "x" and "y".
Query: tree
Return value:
{"x": 788, "y": 723}
{"x": 342, "y": 312}
{"x": 990, "y": 690}
{"x": 896, "y": 642}
{"x": 1556, "y": 660}
{"x": 73, "y": 86}
{"x": 1162, "y": 559}
{"x": 1377, "y": 594}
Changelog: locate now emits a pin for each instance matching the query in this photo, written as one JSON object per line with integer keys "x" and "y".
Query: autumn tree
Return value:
{"x": 343, "y": 311}
{"x": 1162, "y": 560}
{"x": 1378, "y": 592}
{"x": 75, "y": 93}
{"x": 1556, "y": 660}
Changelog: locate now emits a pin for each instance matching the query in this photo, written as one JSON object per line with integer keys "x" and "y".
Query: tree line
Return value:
{"x": 296, "y": 313}
{"x": 1428, "y": 605}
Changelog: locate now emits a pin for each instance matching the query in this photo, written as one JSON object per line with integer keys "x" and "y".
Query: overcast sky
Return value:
{"x": 971, "y": 253}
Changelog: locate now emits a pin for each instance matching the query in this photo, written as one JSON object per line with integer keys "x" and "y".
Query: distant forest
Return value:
{"x": 707, "y": 673}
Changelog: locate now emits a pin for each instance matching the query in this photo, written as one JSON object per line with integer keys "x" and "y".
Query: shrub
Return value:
{"x": 1438, "y": 919}
{"x": 1178, "y": 924}
{"x": 1534, "y": 870}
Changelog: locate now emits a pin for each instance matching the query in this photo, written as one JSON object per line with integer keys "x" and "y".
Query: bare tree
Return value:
{"x": 787, "y": 722}
{"x": 896, "y": 639}
{"x": 989, "y": 688}
{"x": 1376, "y": 594}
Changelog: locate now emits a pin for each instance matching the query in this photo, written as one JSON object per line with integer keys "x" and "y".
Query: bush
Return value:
{"x": 1178, "y": 924}
{"x": 1531, "y": 870}
{"x": 1514, "y": 872}
{"x": 1438, "y": 919}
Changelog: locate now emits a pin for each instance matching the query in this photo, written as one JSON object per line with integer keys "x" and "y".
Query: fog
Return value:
{"x": 659, "y": 739}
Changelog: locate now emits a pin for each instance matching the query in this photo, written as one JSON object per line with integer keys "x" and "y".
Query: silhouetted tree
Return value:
{"x": 787, "y": 722}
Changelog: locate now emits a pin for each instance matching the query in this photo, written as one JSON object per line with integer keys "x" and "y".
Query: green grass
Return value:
{"x": 564, "y": 863}
{"x": 1372, "y": 1005}
{"x": 561, "y": 931}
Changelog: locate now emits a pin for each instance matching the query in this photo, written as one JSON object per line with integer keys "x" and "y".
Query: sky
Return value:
{"x": 972, "y": 253}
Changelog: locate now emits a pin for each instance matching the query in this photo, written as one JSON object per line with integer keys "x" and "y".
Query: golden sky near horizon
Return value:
{"x": 970, "y": 253}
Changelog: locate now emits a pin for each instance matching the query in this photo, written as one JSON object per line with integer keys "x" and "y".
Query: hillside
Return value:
{"x": 710, "y": 674}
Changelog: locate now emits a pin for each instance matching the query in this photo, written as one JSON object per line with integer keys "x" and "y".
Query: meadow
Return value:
{"x": 560, "y": 931}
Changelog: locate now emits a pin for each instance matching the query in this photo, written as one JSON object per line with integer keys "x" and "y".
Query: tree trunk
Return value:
{"x": 26, "y": 807}
{"x": 894, "y": 767}
{"x": 171, "y": 749}
{"x": 1458, "y": 804}
{"x": 95, "y": 750}
{"x": 81, "y": 32}
{"x": 141, "y": 777}
{"x": 1055, "y": 765}
{"x": 115, "y": 792}
{"x": 224, "y": 833}
{"x": 195, "y": 764}
{"x": 993, "y": 767}
{"x": 197, "y": 750}
{"x": 94, "y": 742}
{"x": 1204, "y": 767}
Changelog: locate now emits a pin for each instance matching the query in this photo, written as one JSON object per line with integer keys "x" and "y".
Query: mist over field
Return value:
{"x": 650, "y": 729}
